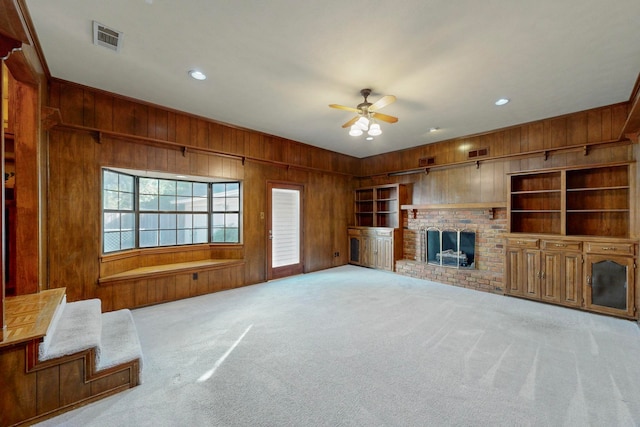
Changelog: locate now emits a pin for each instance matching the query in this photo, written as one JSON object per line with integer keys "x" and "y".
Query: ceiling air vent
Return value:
{"x": 106, "y": 37}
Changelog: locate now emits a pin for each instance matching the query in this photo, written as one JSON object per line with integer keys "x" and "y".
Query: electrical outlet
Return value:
{"x": 195, "y": 276}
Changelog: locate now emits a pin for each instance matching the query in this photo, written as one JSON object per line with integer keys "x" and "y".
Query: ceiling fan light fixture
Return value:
{"x": 374, "y": 130}
{"x": 355, "y": 131}
{"x": 363, "y": 123}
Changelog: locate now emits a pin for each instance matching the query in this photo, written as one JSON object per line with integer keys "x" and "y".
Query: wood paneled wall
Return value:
{"x": 76, "y": 158}
{"x": 513, "y": 149}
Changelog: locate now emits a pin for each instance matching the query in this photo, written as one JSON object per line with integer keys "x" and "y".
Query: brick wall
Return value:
{"x": 489, "y": 257}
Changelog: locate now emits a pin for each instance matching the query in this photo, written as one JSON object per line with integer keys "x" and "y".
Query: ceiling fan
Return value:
{"x": 367, "y": 114}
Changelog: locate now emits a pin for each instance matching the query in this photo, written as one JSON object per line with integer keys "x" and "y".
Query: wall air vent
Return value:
{"x": 481, "y": 152}
{"x": 426, "y": 161}
{"x": 106, "y": 37}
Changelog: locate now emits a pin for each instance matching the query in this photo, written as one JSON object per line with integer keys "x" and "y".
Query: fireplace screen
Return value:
{"x": 451, "y": 248}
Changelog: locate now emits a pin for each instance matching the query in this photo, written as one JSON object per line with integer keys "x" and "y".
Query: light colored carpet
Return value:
{"x": 77, "y": 327}
{"x": 356, "y": 347}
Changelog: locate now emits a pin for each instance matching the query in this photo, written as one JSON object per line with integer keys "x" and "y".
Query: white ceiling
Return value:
{"x": 275, "y": 65}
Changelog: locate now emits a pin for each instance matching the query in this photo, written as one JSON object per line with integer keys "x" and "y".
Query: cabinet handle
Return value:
{"x": 589, "y": 280}
{"x": 609, "y": 249}
{"x": 519, "y": 242}
{"x": 543, "y": 275}
{"x": 560, "y": 245}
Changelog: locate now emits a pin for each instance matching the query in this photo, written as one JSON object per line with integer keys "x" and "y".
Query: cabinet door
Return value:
{"x": 571, "y": 285}
{"x": 355, "y": 245}
{"x": 514, "y": 281}
{"x": 531, "y": 273}
{"x": 551, "y": 276}
{"x": 385, "y": 253}
{"x": 368, "y": 249}
{"x": 609, "y": 285}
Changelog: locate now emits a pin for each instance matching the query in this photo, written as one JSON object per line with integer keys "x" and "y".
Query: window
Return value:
{"x": 146, "y": 211}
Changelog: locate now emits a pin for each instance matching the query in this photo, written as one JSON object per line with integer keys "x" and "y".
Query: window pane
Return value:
{"x": 167, "y": 237}
{"x": 127, "y": 221}
{"x": 200, "y": 189}
{"x": 148, "y": 221}
{"x": 167, "y": 203}
{"x": 111, "y": 221}
{"x": 184, "y": 221}
{"x": 111, "y": 199}
{"x": 148, "y": 202}
{"x": 148, "y": 186}
{"x": 200, "y": 221}
{"x": 218, "y": 205}
{"x": 184, "y": 204}
{"x": 231, "y": 220}
{"x": 200, "y": 204}
{"x": 184, "y": 188}
{"x": 200, "y": 235}
{"x": 126, "y": 201}
{"x": 126, "y": 183}
{"x": 233, "y": 204}
{"x": 110, "y": 180}
{"x": 231, "y": 235}
{"x": 217, "y": 235}
{"x": 233, "y": 189}
{"x": 127, "y": 240}
{"x": 217, "y": 220}
{"x": 184, "y": 237}
{"x": 148, "y": 238}
{"x": 167, "y": 221}
{"x": 111, "y": 242}
{"x": 218, "y": 190}
{"x": 167, "y": 187}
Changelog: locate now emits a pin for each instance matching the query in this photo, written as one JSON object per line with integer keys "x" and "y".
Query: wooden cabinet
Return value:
{"x": 610, "y": 278}
{"x": 375, "y": 247}
{"x": 376, "y": 240}
{"x": 544, "y": 270}
{"x": 593, "y": 275}
{"x": 379, "y": 206}
{"x": 568, "y": 240}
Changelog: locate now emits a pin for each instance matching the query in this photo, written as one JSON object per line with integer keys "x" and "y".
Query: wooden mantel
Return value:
{"x": 459, "y": 206}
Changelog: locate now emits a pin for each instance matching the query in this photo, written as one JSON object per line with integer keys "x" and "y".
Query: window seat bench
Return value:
{"x": 169, "y": 269}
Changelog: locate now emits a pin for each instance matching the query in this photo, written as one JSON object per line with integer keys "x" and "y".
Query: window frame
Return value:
{"x": 138, "y": 212}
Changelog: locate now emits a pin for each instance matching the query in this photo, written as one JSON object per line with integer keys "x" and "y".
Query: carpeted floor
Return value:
{"x": 352, "y": 346}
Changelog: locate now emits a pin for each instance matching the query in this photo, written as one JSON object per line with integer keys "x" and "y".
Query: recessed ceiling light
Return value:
{"x": 433, "y": 129}
{"x": 198, "y": 75}
{"x": 502, "y": 101}
{"x": 369, "y": 138}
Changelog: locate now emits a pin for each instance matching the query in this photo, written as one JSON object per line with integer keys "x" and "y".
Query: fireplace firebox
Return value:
{"x": 449, "y": 248}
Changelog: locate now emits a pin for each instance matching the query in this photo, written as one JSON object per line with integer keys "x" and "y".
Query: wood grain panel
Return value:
{"x": 72, "y": 382}
{"x": 18, "y": 392}
{"x": 48, "y": 389}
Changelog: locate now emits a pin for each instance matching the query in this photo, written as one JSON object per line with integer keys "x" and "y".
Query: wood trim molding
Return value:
{"x": 100, "y": 135}
{"x": 545, "y": 153}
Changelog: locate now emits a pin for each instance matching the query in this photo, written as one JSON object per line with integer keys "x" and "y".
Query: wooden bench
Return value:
{"x": 169, "y": 270}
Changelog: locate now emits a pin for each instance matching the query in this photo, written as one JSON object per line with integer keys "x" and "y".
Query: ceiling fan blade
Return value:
{"x": 351, "y": 122}
{"x": 382, "y": 102}
{"x": 384, "y": 117}
{"x": 342, "y": 107}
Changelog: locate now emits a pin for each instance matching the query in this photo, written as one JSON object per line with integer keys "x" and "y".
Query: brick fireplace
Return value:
{"x": 488, "y": 224}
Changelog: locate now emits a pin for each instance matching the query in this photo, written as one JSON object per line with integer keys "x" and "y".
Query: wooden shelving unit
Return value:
{"x": 379, "y": 206}
{"x": 376, "y": 239}
{"x": 569, "y": 230}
